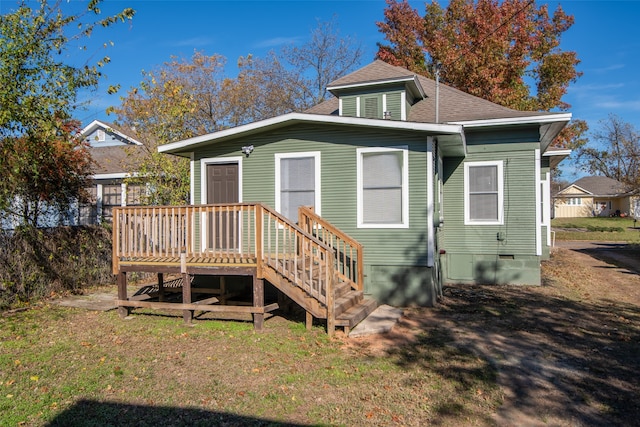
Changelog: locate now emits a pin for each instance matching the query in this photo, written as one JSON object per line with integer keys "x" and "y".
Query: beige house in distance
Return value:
{"x": 596, "y": 196}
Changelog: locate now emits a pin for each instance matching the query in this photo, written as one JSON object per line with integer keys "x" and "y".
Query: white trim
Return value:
{"x": 340, "y": 106}
{"x": 123, "y": 194}
{"x": 430, "y": 202}
{"x": 546, "y": 118}
{"x": 218, "y": 160}
{"x": 118, "y": 175}
{"x": 357, "y": 106}
{"x": 192, "y": 181}
{"x": 317, "y": 185}
{"x": 413, "y": 78}
{"x": 291, "y": 118}
{"x": 554, "y": 153}
{"x": 500, "y": 172}
{"x": 384, "y": 105}
{"x": 403, "y": 105}
{"x": 546, "y": 212}
{"x": 538, "y": 198}
{"x": 99, "y": 196}
{"x": 98, "y": 124}
{"x": 405, "y": 186}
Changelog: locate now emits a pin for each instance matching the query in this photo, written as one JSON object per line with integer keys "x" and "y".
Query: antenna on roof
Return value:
{"x": 437, "y": 67}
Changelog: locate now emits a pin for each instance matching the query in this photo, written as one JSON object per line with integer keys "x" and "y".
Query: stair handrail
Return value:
{"x": 302, "y": 250}
{"x": 319, "y": 227}
{"x": 252, "y": 230}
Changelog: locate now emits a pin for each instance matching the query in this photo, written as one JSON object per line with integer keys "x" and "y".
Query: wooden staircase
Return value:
{"x": 350, "y": 306}
{"x": 347, "y": 306}
{"x": 314, "y": 263}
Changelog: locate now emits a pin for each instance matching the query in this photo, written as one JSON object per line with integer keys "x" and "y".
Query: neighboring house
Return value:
{"x": 438, "y": 185}
{"x": 592, "y": 196}
{"x": 111, "y": 150}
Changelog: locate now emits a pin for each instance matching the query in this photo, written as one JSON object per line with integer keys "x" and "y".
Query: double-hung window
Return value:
{"x": 297, "y": 183}
{"x": 383, "y": 187}
{"x": 483, "y": 193}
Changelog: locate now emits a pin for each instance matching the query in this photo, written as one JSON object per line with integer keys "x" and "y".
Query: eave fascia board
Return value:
{"x": 293, "y": 118}
{"x": 510, "y": 121}
{"x": 405, "y": 79}
{"x": 115, "y": 175}
{"x": 550, "y": 125}
{"x": 553, "y": 153}
{"x": 556, "y": 156}
{"x": 562, "y": 192}
{"x": 97, "y": 123}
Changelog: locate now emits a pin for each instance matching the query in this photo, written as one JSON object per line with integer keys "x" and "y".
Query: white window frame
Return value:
{"x": 500, "y": 173}
{"x": 317, "y": 185}
{"x": 101, "y": 135}
{"x": 574, "y": 201}
{"x": 405, "y": 186}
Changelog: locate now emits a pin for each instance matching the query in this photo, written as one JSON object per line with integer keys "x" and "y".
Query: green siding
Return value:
{"x": 397, "y": 250}
{"x": 371, "y": 104}
{"x": 474, "y": 252}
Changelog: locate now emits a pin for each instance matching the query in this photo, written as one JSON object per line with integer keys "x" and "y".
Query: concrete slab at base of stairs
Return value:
{"x": 380, "y": 321}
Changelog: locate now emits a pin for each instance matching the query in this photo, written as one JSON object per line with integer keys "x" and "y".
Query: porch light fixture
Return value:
{"x": 247, "y": 149}
{"x": 387, "y": 115}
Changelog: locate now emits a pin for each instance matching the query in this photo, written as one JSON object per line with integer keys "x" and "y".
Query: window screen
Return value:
{"x": 382, "y": 187}
{"x": 297, "y": 185}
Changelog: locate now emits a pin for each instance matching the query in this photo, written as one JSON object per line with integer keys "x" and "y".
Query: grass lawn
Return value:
{"x": 61, "y": 366}
{"x": 597, "y": 229}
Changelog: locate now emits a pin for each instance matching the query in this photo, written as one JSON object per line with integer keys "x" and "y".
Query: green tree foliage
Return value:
{"x": 43, "y": 162}
{"x": 488, "y": 48}
{"x": 613, "y": 151}
{"x": 45, "y": 173}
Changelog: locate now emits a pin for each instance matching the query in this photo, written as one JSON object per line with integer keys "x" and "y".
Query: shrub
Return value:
{"x": 34, "y": 263}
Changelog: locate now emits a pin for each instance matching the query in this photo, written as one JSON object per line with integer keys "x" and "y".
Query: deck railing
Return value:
{"x": 348, "y": 251}
{"x": 228, "y": 232}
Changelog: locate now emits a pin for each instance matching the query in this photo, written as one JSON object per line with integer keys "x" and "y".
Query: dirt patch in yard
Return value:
{"x": 566, "y": 352}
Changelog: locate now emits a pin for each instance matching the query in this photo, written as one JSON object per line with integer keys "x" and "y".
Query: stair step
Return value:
{"x": 342, "y": 288}
{"x": 356, "y": 314}
{"x": 347, "y": 301}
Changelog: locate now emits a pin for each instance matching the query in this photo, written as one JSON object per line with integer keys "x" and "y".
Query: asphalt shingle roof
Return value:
{"x": 601, "y": 186}
{"x": 455, "y": 105}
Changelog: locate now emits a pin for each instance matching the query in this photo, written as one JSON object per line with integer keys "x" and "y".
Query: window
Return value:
{"x": 297, "y": 183}
{"x": 575, "y": 201}
{"x": 383, "y": 187}
{"x": 483, "y": 198}
{"x": 100, "y": 135}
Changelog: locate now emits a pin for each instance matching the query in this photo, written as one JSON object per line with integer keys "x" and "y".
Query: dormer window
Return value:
{"x": 387, "y": 106}
{"x": 387, "y": 98}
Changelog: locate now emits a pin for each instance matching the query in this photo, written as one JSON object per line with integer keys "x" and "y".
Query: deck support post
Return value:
{"x": 161, "y": 287}
{"x": 122, "y": 293}
{"x": 258, "y": 301}
{"x": 309, "y": 321}
{"x": 187, "y": 315}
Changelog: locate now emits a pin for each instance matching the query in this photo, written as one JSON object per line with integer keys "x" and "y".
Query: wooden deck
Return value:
{"x": 314, "y": 265}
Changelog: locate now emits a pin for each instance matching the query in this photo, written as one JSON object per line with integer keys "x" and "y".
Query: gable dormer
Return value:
{"x": 377, "y": 93}
{"x": 100, "y": 134}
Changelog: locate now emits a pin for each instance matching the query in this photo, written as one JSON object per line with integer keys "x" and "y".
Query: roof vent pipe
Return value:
{"x": 437, "y": 67}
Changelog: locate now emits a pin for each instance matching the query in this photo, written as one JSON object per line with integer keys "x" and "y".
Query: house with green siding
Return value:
{"x": 437, "y": 185}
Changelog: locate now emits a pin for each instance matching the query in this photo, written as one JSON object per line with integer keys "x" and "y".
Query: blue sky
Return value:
{"x": 605, "y": 35}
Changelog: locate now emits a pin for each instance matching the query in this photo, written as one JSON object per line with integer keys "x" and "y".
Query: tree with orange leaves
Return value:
{"x": 507, "y": 52}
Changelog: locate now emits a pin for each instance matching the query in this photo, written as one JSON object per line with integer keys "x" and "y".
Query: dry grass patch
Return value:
{"x": 63, "y": 366}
